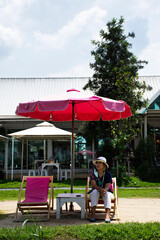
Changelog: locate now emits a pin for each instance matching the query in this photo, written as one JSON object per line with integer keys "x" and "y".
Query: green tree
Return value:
{"x": 116, "y": 76}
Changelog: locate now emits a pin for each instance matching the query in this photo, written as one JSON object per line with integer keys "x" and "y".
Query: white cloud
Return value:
{"x": 150, "y": 11}
{"x": 80, "y": 70}
{"x": 10, "y": 10}
{"x": 29, "y": 24}
{"x": 12, "y": 4}
{"x": 12, "y": 22}
{"x": 151, "y": 54}
{"x": 10, "y": 36}
{"x": 85, "y": 19}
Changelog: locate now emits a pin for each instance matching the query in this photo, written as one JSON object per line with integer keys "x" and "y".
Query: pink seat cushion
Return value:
{"x": 36, "y": 190}
{"x": 111, "y": 187}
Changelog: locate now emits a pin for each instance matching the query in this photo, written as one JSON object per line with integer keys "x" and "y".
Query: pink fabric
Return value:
{"x": 111, "y": 187}
{"x": 86, "y": 108}
{"x": 36, "y": 190}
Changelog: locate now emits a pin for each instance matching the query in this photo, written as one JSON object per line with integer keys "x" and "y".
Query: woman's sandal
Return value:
{"x": 92, "y": 219}
{"x": 107, "y": 220}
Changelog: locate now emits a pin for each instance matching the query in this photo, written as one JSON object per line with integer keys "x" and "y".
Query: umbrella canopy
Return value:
{"x": 86, "y": 108}
{"x": 43, "y": 130}
{"x": 88, "y": 152}
{"x": 74, "y": 105}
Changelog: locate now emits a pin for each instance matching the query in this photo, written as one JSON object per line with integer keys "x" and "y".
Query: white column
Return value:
{"x": 12, "y": 158}
{"x": 49, "y": 149}
{"x": 44, "y": 141}
{"x": 6, "y": 159}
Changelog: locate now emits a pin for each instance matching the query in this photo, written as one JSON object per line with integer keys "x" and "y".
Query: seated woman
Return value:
{"x": 100, "y": 181}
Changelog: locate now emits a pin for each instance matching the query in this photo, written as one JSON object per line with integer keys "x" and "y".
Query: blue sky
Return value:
{"x": 52, "y": 38}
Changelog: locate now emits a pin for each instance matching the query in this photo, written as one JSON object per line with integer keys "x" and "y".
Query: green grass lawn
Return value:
{"x": 122, "y": 193}
{"x": 139, "y": 193}
{"x": 81, "y": 183}
{"x": 149, "y": 189}
{"x": 125, "y": 231}
{"x": 136, "y": 182}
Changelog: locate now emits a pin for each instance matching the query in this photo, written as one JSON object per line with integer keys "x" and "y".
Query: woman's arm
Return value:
{"x": 101, "y": 190}
{"x": 104, "y": 190}
{"x": 107, "y": 186}
{"x": 94, "y": 185}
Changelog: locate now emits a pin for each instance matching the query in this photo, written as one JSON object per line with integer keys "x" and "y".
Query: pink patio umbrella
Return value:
{"x": 74, "y": 105}
{"x": 88, "y": 152}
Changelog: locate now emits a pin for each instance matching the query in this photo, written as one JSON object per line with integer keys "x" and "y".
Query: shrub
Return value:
{"x": 144, "y": 161}
{"x": 122, "y": 179}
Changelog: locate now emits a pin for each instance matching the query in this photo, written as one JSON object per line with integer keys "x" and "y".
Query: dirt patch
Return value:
{"x": 130, "y": 210}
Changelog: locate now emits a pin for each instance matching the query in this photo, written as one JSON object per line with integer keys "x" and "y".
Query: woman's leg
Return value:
{"x": 94, "y": 196}
{"x": 107, "y": 203}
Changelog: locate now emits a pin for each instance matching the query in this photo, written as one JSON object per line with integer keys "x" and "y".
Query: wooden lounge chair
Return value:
{"x": 36, "y": 195}
{"x": 100, "y": 206}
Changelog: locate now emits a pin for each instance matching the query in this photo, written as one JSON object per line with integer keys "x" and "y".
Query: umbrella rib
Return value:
{"x": 90, "y": 103}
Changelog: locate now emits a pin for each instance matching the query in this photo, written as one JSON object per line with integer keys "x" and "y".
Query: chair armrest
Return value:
{"x": 20, "y": 191}
{"x": 117, "y": 192}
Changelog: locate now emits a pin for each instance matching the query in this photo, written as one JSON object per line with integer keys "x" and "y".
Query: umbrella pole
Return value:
{"x": 22, "y": 156}
{"x": 72, "y": 156}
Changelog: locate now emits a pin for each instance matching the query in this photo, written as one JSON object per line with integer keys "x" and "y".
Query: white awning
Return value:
{"x": 3, "y": 138}
{"x": 43, "y": 130}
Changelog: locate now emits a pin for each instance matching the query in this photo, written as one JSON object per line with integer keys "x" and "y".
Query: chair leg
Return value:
{"x": 118, "y": 214}
{"x": 52, "y": 207}
{"x": 48, "y": 216}
{"x": 15, "y": 218}
{"x": 117, "y": 211}
{"x": 52, "y": 199}
{"x": 86, "y": 209}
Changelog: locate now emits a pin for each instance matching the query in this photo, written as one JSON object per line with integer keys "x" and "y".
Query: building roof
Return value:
{"x": 16, "y": 90}
{"x": 154, "y": 82}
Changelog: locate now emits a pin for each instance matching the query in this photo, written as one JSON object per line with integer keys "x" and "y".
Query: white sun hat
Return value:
{"x": 101, "y": 159}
